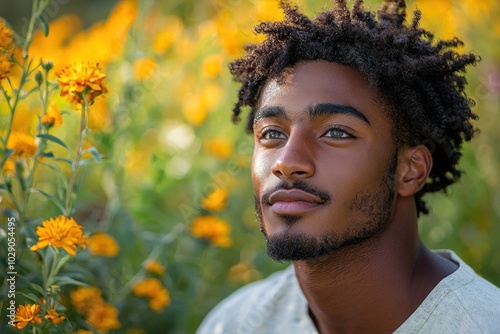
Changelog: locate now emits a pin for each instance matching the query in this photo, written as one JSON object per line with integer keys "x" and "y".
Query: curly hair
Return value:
{"x": 420, "y": 80}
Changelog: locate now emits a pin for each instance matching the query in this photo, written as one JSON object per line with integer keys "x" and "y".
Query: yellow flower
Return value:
{"x": 212, "y": 65}
{"x": 152, "y": 289}
{"x": 83, "y": 331}
{"x": 53, "y": 117}
{"x": 23, "y": 144}
{"x": 194, "y": 110}
{"x": 5, "y": 65}
{"x": 216, "y": 200}
{"x": 212, "y": 228}
{"x": 83, "y": 298}
{"x": 27, "y": 314}
{"x": 60, "y": 232}
{"x": 54, "y": 317}
{"x": 170, "y": 30}
{"x": 221, "y": 148}
{"x": 243, "y": 272}
{"x": 155, "y": 267}
{"x": 79, "y": 79}
{"x": 103, "y": 244}
{"x": 144, "y": 68}
{"x": 9, "y": 167}
{"x": 103, "y": 317}
{"x": 5, "y": 35}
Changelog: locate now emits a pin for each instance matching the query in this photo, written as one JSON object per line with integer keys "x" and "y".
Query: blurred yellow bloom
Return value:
{"x": 169, "y": 31}
{"x": 194, "y": 110}
{"x": 83, "y": 331}
{"x": 5, "y": 35}
{"x": 212, "y": 65}
{"x": 53, "y": 117}
{"x": 99, "y": 118}
{"x": 9, "y": 167}
{"x": 103, "y": 317}
{"x": 28, "y": 313}
{"x": 60, "y": 232}
{"x": 25, "y": 118}
{"x": 54, "y": 317}
{"x": 154, "y": 290}
{"x": 211, "y": 95}
{"x": 5, "y": 65}
{"x": 212, "y": 228}
{"x": 221, "y": 148}
{"x": 155, "y": 267}
{"x": 23, "y": 144}
{"x": 103, "y": 244}
{"x": 82, "y": 78}
{"x": 216, "y": 200}
{"x": 144, "y": 68}
{"x": 243, "y": 272}
{"x": 83, "y": 298}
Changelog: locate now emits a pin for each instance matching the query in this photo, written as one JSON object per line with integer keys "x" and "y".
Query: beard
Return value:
{"x": 371, "y": 212}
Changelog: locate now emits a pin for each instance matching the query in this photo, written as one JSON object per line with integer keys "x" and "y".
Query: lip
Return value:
{"x": 293, "y": 202}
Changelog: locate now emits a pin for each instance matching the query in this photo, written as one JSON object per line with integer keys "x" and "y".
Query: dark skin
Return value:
{"x": 325, "y": 125}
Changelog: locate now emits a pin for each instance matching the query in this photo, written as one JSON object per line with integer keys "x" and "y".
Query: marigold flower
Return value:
{"x": 216, "y": 200}
{"x": 54, "y": 317}
{"x": 5, "y": 65}
{"x": 83, "y": 298}
{"x": 5, "y": 35}
{"x": 9, "y": 167}
{"x": 144, "y": 68}
{"x": 28, "y": 313}
{"x": 102, "y": 244}
{"x": 221, "y": 148}
{"x": 155, "y": 267}
{"x": 23, "y": 144}
{"x": 82, "y": 78}
{"x": 212, "y": 65}
{"x": 103, "y": 317}
{"x": 60, "y": 232}
{"x": 53, "y": 117}
{"x": 212, "y": 228}
{"x": 154, "y": 290}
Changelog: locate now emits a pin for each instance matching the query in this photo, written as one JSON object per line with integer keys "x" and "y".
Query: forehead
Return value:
{"x": 312, "y": 83}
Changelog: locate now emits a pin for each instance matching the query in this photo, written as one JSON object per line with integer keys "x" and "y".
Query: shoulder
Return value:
{"x": 257, "y": 307}
{"x": 463, "y": 302}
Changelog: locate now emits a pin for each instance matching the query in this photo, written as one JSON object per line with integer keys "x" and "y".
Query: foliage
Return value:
{"x": 130, "y": 189}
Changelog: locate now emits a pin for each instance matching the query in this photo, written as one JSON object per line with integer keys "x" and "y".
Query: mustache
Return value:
{"x": 300, "y": 185}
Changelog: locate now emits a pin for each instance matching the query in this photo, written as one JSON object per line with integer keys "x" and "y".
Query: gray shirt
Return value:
{"x": 462, "y": 302}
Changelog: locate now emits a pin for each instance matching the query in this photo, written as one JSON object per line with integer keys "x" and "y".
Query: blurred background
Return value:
{"x": 172, "y": 159}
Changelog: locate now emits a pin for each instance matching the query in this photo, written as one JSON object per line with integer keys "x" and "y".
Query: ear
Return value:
{"x": 414, "y": 166}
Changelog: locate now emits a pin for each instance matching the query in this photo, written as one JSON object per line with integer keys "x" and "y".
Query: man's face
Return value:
{"x": 324, "y": 162}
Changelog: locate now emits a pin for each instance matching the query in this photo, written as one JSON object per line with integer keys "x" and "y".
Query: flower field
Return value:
{"x": 126, "y": 203}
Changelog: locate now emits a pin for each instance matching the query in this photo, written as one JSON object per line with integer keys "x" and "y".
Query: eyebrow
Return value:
{"x": 314, "y": 112}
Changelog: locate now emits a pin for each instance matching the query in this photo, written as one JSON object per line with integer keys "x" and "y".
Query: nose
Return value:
{"x": 294, "y": 160}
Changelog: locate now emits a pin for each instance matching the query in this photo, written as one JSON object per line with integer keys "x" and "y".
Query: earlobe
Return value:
{"x": 415, "y": 164}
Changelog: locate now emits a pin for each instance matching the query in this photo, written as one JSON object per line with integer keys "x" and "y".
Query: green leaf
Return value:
{"x": 65, "y": 280}
{"x": 30, "y": 296}
{"x": 8, "y": 152}
{"x": 44, "y": 25}
{"x": 53, "y": 199}
{"x": 53, "y": 139}
{"x": 94, "y": 153}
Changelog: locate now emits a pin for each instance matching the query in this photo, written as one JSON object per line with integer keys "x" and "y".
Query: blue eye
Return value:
{"x": 338, "y": 133}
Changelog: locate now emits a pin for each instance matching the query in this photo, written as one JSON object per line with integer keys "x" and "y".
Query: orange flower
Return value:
{"x": 85, "y": 298}
{"x": 212, "y": 65}
{"x": 103, "y": 317}
{"x": 216, "y": 200}
{"x": 212, "y": 228}
{"x": 79, "y": 80}
{"x": 221, "y": 148}
{"x": 53, "y": 117}
{"x": 152, "y": 289}
{"x": 5, "y": 65}
{"x": 54, "y": 317}
{"x": 155, "y": 267}
{"x": 60, "y": 232}
{"x": 103, "y": 244}
{"x": 27, "y": 314}
{"x": 23, "y": 144}
{"x": 5, "y": 35}
{"x": 144, "y": 68}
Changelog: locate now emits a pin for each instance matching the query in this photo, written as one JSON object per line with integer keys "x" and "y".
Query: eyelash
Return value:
{"x": 263, "y": 135}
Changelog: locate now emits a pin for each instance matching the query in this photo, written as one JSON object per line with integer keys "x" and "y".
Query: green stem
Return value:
{"x": 76, "y": 161}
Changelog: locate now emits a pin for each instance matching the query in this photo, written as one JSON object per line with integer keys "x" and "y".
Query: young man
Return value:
{"x": 355, "y": 117}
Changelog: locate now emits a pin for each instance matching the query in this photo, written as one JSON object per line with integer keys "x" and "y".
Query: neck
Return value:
{"x": 374, "y": 286}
